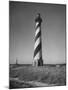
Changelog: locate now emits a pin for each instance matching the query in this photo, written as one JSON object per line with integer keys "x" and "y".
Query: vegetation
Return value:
{"x": 47, "y": 74}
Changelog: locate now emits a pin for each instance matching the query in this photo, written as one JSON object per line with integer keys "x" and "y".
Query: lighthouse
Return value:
{"x": 37, "y": 57}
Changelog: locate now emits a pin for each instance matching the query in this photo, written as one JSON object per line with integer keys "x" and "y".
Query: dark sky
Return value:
{"x": 22, "y": 31}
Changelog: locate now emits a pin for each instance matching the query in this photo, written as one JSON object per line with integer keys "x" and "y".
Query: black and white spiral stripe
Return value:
{"x": 37, "y": 46}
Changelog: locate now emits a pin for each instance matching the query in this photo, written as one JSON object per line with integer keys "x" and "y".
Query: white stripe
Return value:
{"x": 37, "y": 42}
{"x": 38, "y": 55}
{"x": 37, "y": 23}
{"x": 37, "y": 31}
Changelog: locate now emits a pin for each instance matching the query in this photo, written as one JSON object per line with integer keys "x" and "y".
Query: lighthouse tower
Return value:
{"x": 37, "y": 58}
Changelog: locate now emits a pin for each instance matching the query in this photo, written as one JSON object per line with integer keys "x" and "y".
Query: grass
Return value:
{"x": 46, "y": 74}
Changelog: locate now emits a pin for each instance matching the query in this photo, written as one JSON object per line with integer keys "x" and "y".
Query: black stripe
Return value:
{"x": 38, "y": 35}
{"x": 38, "y": 48}
{"x": 40, "y": 58}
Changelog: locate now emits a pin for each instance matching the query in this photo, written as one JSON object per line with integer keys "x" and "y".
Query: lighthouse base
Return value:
{"x": 38, "y": 62}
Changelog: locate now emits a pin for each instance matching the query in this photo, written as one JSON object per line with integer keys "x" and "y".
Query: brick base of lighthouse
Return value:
{"x": 38, "y": 62}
